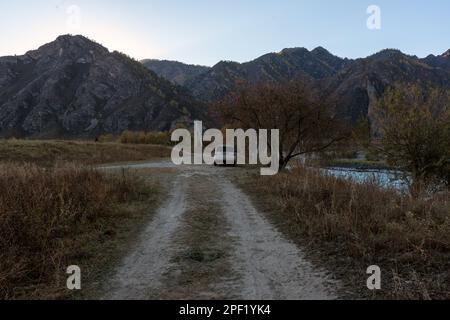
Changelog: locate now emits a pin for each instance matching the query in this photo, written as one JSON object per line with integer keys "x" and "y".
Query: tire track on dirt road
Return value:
{"x": 202, "y": 258}
{"x": 208, "y": 241}
{"x": 142, "y": 270}
{"x": 270, "y": 266}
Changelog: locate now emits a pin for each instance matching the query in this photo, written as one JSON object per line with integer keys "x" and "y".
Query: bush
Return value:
{"x": 105, "y": 138}
{"x": 128, "y": 137}
{"x": 156, "y": 138}
{"x": 159, "y": 138}
{"x": 414, "y": 125}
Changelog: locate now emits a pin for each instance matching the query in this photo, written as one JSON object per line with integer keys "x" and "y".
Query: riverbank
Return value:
{"x": 349, "y": 226}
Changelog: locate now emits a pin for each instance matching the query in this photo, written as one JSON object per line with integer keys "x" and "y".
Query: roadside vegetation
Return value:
{"x": 48, "y": 153}
{"x": 350, "y": 226}
{"x": 157, "y": 138}
{"x": 413, "y": 126}
{"x": 51, "y": 218}
{"x": 56, "y": 210}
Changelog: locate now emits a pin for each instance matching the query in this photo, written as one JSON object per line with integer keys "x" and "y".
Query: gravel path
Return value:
{"x": 263, "y": 264}
{"x": 143, "y": 269}
{"x": 271, "y": 267}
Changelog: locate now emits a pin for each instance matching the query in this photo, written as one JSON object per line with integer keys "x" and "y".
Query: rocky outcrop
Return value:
{"x": 359, "y": 86}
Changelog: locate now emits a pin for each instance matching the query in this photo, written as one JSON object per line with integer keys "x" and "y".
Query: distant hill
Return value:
{"x": 74, "y": 87}
{"x": 442, "y": 61}
{"x": 174, "y": 71}
{"x": 354, "y": 84}
{"x": 286, "y": 65}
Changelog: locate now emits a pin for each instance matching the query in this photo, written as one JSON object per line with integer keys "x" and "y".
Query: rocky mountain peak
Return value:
{"x": 68, "y": 38}
{"x": 294, "y": 51}
{"x": 321, "y": 51}
{"x": 388, "y": 54}
{"x": 68, "y": 47}
{"x": 446, "y": 54}
{"x": 74, "y": 87}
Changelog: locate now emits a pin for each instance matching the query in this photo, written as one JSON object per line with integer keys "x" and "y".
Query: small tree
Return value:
{"x": 414, "y": 127}
{"x": 307, "y": 125}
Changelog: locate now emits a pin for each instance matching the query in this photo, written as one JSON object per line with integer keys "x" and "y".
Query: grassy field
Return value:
{"x": 55, "y": 211}
{"x": 48, "y": 153}
{"x": 53, "y": 218}
{"x": 349, "y": 227}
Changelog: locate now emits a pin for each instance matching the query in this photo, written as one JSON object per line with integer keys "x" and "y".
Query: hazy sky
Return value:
{"x": 207, "y": 31}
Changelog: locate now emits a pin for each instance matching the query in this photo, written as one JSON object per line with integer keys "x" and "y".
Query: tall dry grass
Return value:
{"x": 153, "y": 138}
{"x": 358, "y": 225}
{"x": 42, "y": 212}
{"x": 48, "y": 153}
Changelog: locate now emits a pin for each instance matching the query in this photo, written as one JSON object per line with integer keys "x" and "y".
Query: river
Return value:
{"x": 385, "y": 178}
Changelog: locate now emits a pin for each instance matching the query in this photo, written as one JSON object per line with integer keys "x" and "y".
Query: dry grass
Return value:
{"x": 47, "y": 153}
{"x": 51, "y": 218}
{"x": 204, "y": 250}
{"x": 353, "y": 226}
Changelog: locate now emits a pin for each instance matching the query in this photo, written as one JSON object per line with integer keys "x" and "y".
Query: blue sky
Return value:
{"x": 207, "y": 31}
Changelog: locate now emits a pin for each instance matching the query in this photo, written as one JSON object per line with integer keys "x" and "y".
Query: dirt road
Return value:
{"x": 208, "y": 241}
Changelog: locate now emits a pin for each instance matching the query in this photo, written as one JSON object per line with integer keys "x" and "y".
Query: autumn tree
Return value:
{"x": 306, "y": 124}
{"x": 414, "y": 127}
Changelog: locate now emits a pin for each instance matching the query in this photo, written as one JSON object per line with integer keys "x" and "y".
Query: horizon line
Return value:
{"x": 233, "y": 61}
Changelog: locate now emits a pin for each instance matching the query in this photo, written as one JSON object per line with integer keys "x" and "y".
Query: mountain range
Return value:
{"x": 355, "y": 84}
{"x": 73, "y": 87}
{"x": 174, "y": 71}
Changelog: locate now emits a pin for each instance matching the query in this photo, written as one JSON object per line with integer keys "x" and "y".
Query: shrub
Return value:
{"x": 127, "y": 137}
{"x": 105, "y": 138}
{"x": 156, "y": 138}
{"x": 414, "y": 126}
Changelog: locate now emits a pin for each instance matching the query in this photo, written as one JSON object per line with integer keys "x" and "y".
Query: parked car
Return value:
{"x": 225, "y": 155}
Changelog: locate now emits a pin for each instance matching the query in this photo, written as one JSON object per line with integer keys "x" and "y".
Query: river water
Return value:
{"x": 385, "y": 178}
